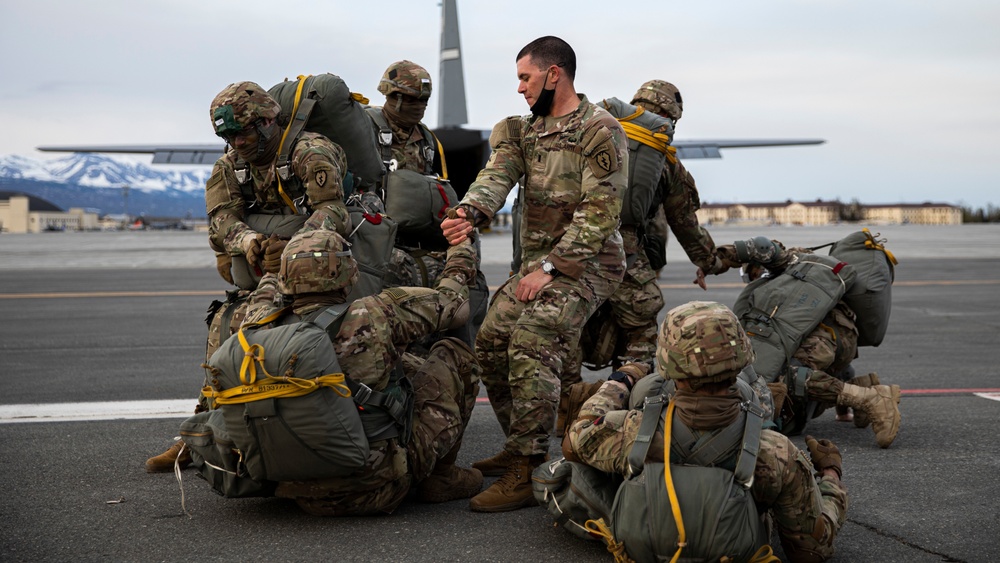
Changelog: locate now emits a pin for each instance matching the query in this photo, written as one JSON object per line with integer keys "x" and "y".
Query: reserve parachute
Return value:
{"x": 871, "y": 295}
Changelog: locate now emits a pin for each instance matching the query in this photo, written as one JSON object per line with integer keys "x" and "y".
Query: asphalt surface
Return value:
{"x": 96, "y": 317}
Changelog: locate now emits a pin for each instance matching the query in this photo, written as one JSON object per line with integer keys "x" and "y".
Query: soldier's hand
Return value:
{"x": 252, "y": 249}
{"x": 727, "y": 255}
{"x": 824, "y": 455}
{"x": 224, "y": 265}
{"x": 635, "y": 370}
{"x": 529, "y": 286}
{"x": 699, "y": 280}
{"x": 457, "y": 227}
{"x": 273, "y": 247}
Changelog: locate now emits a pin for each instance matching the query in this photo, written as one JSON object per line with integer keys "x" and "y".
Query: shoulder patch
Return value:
{"x": 507, "y": 130}
{"x": 602, "y": 153}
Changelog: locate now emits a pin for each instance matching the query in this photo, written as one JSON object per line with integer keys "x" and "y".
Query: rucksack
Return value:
{"x": 324, "y": 104}
{"x": 871, "y": 295}
{"x": 286, "y": 405}
{"x": 649, "y": 137}
{"x": 778, "y": 312}
{"x": 709, "y": 490}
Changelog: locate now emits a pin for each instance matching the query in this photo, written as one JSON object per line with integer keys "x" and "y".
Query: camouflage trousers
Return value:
{"x": 807, "y": 510}
{"x": 829, "y": 350}
{"x": 445, "y": 386}
{"x": 522, "y": 347}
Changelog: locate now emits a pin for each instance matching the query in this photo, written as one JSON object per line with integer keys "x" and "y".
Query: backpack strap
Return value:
{"x": 384, "y": 133}
{"x": 436, "y": 143}
{"x": 752, "y": 428}
{"x": 383, "y": 414}
{"x": 301, "y": 109}
{"x": 651, "y": 409}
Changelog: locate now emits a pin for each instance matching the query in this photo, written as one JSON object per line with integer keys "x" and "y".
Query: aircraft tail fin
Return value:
{"x": 451, "y": 97}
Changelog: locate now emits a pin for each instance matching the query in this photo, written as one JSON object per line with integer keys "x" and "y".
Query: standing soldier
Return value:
{"x": 249, "y": 197}
{"x": 570, "y": 158}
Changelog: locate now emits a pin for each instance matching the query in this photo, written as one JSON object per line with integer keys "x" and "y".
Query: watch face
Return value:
{"x": 547, "y": 267}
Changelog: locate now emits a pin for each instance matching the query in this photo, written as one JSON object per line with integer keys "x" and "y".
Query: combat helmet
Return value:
{"x": 662, "y": 94}
{"x": 702, "y": 342}
{"x": 317, "y": 261}
{"x": 239, "y": 106}
{"x": 406, "y": 77}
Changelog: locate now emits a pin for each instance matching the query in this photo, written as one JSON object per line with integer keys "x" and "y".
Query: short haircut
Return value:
{"x": 547, "y": 51}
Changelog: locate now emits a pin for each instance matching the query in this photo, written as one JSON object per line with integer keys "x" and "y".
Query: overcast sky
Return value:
{"x": 906, "y": 94}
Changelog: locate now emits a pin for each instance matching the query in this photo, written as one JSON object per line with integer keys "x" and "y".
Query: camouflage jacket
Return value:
{"x": 411, "y": 149}
{"x": 575, "y": 171}
{"x": 318, "y": 166}
{"x": 680, "y": 203}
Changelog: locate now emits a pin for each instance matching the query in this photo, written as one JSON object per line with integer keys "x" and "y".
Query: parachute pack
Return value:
{"x": 639, "y": 515}
{"x": 324, "y": 104}
{"x": 871, "y": 295}
{"x": 649, "y": 137}
{"x": 778, "y": 312}
{"x": 299, "y": 418}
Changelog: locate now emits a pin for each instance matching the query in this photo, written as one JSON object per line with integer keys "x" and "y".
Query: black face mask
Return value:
{"x": 543, "y": 105}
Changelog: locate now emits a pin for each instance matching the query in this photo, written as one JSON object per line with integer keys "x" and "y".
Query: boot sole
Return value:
{"x": 530, "y": 501}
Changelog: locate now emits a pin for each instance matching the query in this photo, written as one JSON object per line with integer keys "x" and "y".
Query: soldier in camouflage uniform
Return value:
{"x": 702, "y": 347}
{"x": 826, "y": 352}
{"x": 635, "y": 305}
{"x": 316, "y": 272}
{"x": 571, "y": 159}
{"x": 245, "y": 181}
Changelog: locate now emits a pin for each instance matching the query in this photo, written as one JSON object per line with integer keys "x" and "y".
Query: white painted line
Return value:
{"x": 993, "y": 396}
{"x": 65, "y": 412}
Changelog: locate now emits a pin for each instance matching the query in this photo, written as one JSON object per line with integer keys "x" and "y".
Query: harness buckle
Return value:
{"x": 363, "y": 393}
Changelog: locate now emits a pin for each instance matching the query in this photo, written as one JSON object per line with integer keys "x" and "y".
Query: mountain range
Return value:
{"x": 95, "y": 182}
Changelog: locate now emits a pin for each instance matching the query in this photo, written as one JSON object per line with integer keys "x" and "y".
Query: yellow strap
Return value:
{"x": 874, "y": 245}
{"x": 833, "y": 333}
{"x": 764, "y": 555}
{"x": 252, "y": 355}
{"x": 295, "y": 108}
{"x": 616, "y": 548}
{"x": 275, "y": 388}
{"x": 672, "y": 154}
{"x": 360, "y": 98}
{"x": 658, "y": 141}
{"x": 444, "y": 165}
{"x": 675, "y": 505}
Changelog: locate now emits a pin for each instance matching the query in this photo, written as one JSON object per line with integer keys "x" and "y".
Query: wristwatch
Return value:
{"x": 549, "y": 268}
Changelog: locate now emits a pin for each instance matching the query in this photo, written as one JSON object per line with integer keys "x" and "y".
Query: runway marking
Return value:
{"x": 96, "y": 294}
{"x": 183, "y": 408}
{"x": 92, "y": 294}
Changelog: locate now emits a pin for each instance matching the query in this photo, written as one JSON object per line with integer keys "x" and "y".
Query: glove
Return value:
{"x": 727, "y": 255}
{"x": 824, "y": 455}
{"x": 273, "y": 247}
{"x": 224, "y": 264}
{"x": 637, "y": 370}
{"x": 251, "y": 246}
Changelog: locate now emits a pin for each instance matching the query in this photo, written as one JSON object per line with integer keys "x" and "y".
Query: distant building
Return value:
{"x": 821, "y": 212}
{"x": 22, "y": 213}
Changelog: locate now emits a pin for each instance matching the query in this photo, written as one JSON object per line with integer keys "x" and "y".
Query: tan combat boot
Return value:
{"x": 164, "y": 463}
{"x": 512, "y": 490}
{"x": 494, "y": 465}
{"x": 880, "y": 404}
{"x": 450, "y": 483}
{"x": 869, "y": 380}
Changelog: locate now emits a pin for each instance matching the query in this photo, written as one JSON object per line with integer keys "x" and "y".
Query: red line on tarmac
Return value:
{"x": 969, "y": 391}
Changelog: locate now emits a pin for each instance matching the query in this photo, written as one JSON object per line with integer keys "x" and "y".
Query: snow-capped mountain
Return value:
{"x": 102, "y": 171}
{"x": 96, "y": 181}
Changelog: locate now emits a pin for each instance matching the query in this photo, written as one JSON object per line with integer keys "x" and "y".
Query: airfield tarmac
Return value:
{"x": 116, "y": 317}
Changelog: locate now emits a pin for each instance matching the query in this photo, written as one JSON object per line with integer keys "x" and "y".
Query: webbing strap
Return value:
{"x": 712, "y": 447}
{"x": 444, "y": 165}
{"x": 651, "y": 409}
{"x": 675, "y": 505}
{"x": 278, "y": 388}
{"x": 292, "y": 131}
{"x": 752, "y": 427}
{"x": 873, "y": 244}
{"x": 253, "y": 355}
{"x": 658, "y": 141}
{"x": 331, "y": 318}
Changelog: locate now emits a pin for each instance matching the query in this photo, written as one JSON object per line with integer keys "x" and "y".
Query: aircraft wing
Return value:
{"x": 206, "y": 153}
{"x": 710, "y": 149}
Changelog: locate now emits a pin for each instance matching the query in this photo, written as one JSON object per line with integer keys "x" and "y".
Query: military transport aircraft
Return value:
{"x": 466, "y": 150}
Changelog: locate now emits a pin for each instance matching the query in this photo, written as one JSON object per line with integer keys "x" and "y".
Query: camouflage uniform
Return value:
{"x": 574, "y": 173}
{"x": 317, "y": 166}
{"x": 808, "y": 510}
{"x": 371, "y": 341}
